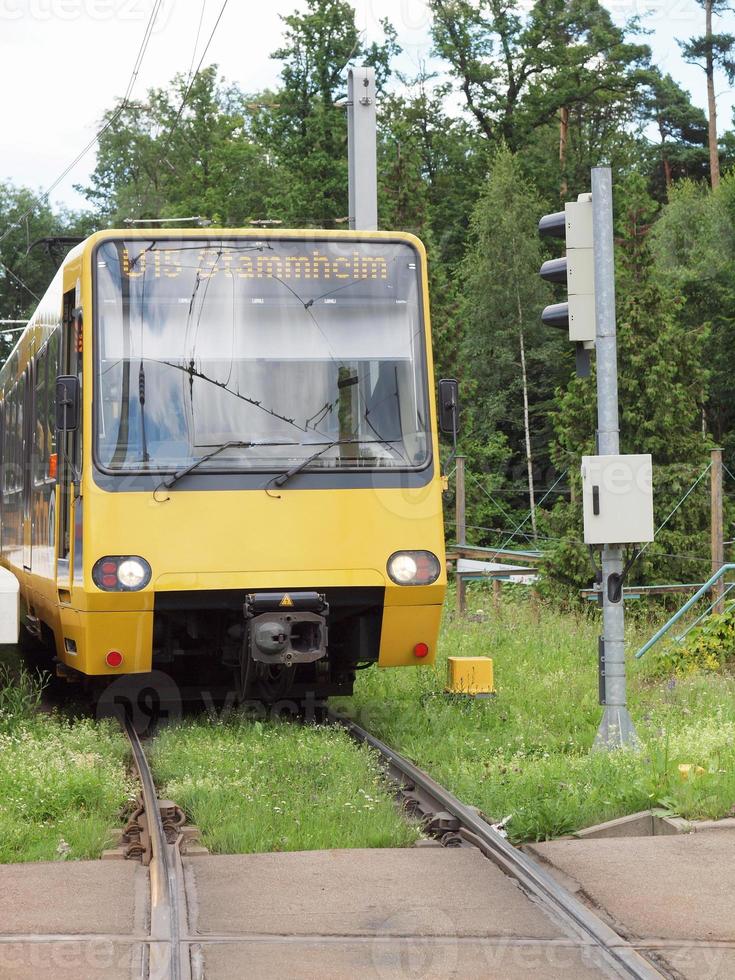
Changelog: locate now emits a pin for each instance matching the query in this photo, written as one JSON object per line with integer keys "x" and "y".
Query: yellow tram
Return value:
{"x": 219, "y": 450}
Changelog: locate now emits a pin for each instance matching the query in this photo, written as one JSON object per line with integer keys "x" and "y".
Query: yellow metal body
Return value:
{"x": 470, "y": 675}
{"x": 248, "y": 540}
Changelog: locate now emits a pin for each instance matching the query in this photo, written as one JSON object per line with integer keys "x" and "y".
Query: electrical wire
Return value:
{"x": 701, "y": 476}
{"x": 110, "y": 122}
{"x": 20, "y": 283}
{"x": 189, "y": 85}
{"x": 196, "y": 41}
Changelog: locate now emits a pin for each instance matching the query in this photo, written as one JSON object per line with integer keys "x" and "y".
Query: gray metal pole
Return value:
{"x": 616, "y": 728}
{"x": 362, "y": 149}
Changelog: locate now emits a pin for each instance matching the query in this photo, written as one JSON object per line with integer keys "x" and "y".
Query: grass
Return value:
{"x": 273, "y": 786}
{"x": 526, "y": 753}
{"x": 63, "y": 782}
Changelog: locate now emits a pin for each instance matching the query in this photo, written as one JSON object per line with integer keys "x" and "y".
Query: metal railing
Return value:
{"x": 723, "y": 570}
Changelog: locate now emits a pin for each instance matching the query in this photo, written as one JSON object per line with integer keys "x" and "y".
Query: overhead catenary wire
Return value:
{"x": 20, "y": 282}
{"x": 190, "y": 85}
{"x": 98, "y": 135}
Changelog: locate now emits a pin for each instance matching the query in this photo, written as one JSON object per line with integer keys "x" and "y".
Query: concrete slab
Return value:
{"x": 678, "y": 887}
{"x": 701, "y": 963}
{"x": 395, "y": 959}
{"x": 71, "y": 897}
{"x": 450, "y": 892}
{"x": 72, "y": 960}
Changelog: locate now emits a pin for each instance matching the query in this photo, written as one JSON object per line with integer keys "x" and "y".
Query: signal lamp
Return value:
{"x": 114, "y": 658}
{"x": 421, "y": 650}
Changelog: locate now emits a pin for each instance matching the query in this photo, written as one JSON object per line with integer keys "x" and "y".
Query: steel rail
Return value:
{"x": 617, "y": 953}
{"x": 168, "y": 956}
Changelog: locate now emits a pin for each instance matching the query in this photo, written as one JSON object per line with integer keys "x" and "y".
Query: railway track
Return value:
{"x": 170, "y": 950}
{"x": 447, "y": 817}
{"x": 168, "y": 954}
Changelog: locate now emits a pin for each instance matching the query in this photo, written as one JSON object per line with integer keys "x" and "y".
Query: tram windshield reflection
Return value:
{"x": 303, "y": 343}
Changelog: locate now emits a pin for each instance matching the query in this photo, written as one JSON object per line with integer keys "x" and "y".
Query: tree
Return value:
{"x": 694, "y": 247}
{"x": 518, "y": 74}
{"x": 306, "y": 132}
{"x": 682, "y": 128}
{"x": 166, "y": 157}
{"x": 26, "y": 270}
{"x": 715, "y": 51}
{"x": 509, "y": 359}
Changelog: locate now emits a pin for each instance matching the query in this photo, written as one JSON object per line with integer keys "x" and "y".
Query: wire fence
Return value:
{"x": 544, "y": 540}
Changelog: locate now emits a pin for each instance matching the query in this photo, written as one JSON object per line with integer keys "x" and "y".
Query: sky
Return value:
{"x": 63, "y": 63}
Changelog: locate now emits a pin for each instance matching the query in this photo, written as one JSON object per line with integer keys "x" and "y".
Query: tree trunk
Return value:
{"x": 526, "y": 422}
{"x": 563, "y": 140}
{"x": 714, "y": 159}
{"x": 667, "y": 169}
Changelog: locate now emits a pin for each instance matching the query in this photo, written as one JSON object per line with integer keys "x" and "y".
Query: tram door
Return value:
{"x": 26, "y": 399}
{"x": 68, "y": 564}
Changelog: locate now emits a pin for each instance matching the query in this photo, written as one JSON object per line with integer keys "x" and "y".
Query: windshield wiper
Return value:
{"x": 233, "y": 444}
{"x": 283, "y": 478}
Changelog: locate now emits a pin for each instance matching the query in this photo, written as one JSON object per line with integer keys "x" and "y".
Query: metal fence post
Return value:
{"x": 718, "y": 534}
{"x": 459, "y": 509}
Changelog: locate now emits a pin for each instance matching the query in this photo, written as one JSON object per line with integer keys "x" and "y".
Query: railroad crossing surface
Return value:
{"x": 425, "y": 912}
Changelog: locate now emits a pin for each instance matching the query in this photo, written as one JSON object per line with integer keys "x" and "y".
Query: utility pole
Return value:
{"x": 718, "y": 535}
{"x": 362, "y": 149}
{"x": 616, "y": 728}
{"x": 459, "y": 507}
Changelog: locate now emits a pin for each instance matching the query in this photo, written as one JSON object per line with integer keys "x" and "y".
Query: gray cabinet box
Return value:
{"x": 617, "y": 499}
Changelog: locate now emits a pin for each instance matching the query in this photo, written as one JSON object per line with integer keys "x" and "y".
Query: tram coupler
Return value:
{"x": 286, "y": 627}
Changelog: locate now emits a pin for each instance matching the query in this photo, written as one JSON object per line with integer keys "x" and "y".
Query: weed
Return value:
{"x": 63, "y": 784}
{"x": 526, "y": 753}
{"x": 275, "y": 786}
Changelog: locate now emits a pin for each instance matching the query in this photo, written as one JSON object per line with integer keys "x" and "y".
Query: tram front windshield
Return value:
{"x": 291, "y": 346}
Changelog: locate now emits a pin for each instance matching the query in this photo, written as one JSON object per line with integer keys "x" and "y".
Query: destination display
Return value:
{"x": 252, "y": 261}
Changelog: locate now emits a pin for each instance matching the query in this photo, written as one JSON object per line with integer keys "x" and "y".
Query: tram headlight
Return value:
{"x": 121, "y": 573}
{"x": 413, "y": 567}
{"x": 133, "y": 573}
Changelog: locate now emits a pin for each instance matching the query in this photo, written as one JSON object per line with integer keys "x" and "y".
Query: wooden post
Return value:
{"x": 718, "y": 536}
{"x": 459, "y": 503}
{"x": 497, "y": 591}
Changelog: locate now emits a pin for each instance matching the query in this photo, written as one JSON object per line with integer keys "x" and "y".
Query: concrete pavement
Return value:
{"x": 390, "y": 914}
{"x": 674, "y": 894}
{"x": 75, "y": 920}
{"x": 384, "y": 914}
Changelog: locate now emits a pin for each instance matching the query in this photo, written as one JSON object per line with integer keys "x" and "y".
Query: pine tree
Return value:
{"x": 511, "y": 363}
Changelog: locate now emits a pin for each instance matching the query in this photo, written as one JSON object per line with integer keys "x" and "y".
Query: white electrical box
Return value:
{"x": 617, "y": 499}
{"x": 9, "y": 607}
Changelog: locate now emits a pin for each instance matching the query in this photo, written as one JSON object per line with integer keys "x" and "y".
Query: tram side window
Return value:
{"x": 19, "y": 461}
{"x": 9, "y": 475}
{"x": 3, "y": 448}
{"x": 50, "y": 405}
{"x": 40, "y": 450}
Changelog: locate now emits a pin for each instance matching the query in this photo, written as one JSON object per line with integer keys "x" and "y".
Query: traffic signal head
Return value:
{"x": 576, "y": 269}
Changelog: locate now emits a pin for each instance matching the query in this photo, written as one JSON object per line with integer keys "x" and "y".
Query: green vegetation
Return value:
{"x": 63, "y": 783}
{"x": 709, "y": 647}
{"x": 526, "y": 753}
{"x": 253, "y": 786}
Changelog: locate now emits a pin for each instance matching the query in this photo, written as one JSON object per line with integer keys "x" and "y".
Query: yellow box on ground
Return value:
{"x": 470, "y": 675}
